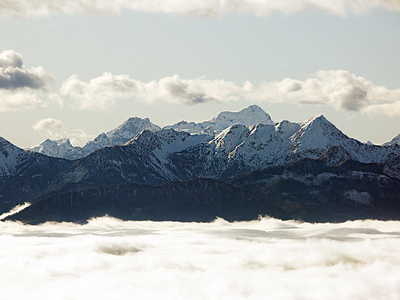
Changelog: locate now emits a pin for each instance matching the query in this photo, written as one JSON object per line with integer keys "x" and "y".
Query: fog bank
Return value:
{"x": 264, "y": 259}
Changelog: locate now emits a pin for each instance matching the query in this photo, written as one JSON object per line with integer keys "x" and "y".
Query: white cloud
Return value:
{"x": 10, "y": 58}
{"x": 55, "y": 130}
{"x": 205, "y": 8}
{"x": 48, "y": 124}
{"x": 336, "y": 88}
{"x": 388, "y": 109}
{"x": 101, "y": 92}
{"x": 19, "y": 101}
{"x": 265, "y": 259}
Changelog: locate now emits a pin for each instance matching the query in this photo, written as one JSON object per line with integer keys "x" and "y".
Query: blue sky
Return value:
{"x": 85, "y": 67}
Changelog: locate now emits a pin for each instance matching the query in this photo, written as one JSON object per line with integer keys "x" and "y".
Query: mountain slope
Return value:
{"x": 200, "y": 200}
{"x": 313, "y": 191}
{"x": 25, "y": 174}
{"x": 144, "y": 159}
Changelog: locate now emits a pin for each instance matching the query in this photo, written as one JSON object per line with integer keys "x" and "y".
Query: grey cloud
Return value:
{"x": 207, "y": 8}
{"x": 178, "y": 88}
{"x": 352, "y": 98}
{"x": 13, "y": 76}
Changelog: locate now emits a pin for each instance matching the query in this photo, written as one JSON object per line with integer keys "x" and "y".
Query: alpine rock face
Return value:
{"x": 118, "y": 136}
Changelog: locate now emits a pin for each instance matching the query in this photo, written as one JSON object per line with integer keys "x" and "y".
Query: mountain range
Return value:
{"x": 308, "y": 170}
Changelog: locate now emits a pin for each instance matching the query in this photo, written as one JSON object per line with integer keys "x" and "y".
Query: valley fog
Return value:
{"x": 263, "y": 259}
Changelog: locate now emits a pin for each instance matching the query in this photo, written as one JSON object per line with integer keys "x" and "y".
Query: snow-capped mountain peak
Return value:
{"x": 120, "y": 135}
{"x": 251, "y": 115}
{"x": 53, "y": 148}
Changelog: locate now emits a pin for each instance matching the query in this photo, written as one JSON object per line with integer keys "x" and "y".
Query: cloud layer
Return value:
{"x": 206, "y": 8}
{"x": 19, "y": 87}
{"x": 264, "y": 259}
{"x": 336, "y": 88}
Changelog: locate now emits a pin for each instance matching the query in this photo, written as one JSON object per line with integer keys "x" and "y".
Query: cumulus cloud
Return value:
{"x": 48, "y": 124}
{"x": 206, "y": 8}
{"x": 19, "y": 87}
{"x": 19, "y": 101}
{"x": 55, "y": 129}
{"x": 101, "y": 92}
{"x": 336, "y": 88}
{"x": 264, "y": 259}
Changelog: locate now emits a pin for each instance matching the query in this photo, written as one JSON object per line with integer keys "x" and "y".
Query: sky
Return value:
{"x": 261, "y": 259}
{"x": 75, "y": 68}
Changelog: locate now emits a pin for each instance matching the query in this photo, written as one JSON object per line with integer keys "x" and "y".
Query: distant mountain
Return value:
{"x": 334, "y": 176}
{"x": 25, "y": 175}
{"x": 60, "y": 148}
{"x": 118, "y": 136}
{"x": 129, "y": 129}
{"x": 251, "y": 115}
{"x": 166, "y": 155}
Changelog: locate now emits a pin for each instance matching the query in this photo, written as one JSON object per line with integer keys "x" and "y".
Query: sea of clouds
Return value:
{"x": 262, "y": 259}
